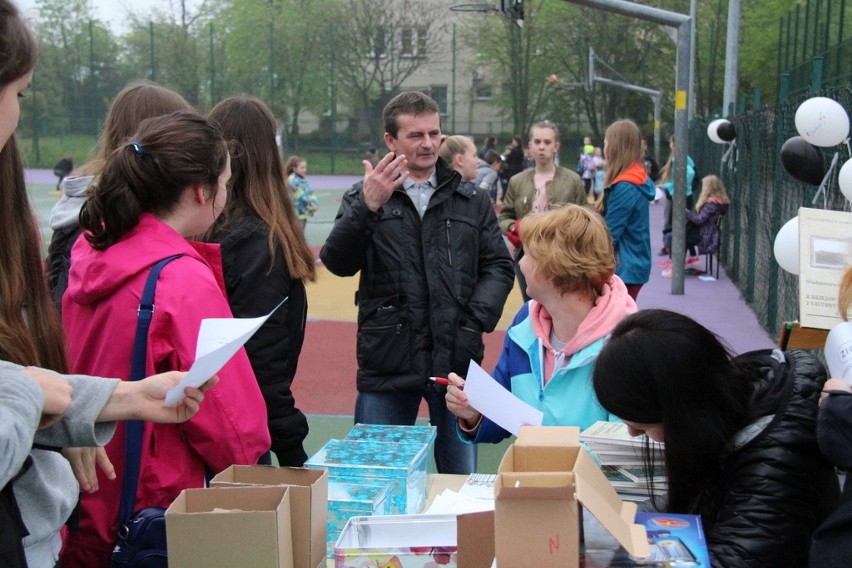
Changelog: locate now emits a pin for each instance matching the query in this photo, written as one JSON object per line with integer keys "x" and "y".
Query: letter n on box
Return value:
{"x": 536, "y": 520}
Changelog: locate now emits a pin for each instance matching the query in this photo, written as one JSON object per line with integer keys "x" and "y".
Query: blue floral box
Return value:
{"x": 351, "y": 497}
{"x": 404, "y": 464}
{"x": 394, "y": 434}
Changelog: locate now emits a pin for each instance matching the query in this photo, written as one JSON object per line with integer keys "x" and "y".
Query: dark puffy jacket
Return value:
{"x": 274, "y": 350}
{"x": 709, "y": 233}
{"x": 428, "y": 288}
{"x": 775, "y": 487}
{"x": 832, "y": 543}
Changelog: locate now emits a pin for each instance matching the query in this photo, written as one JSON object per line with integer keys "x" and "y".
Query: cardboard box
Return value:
{"x": 308, "y": 504}
{"x": 545, "y": 475}
{"x": 403, "y": 464}
{"x": 230, "y": 526}
{"x": 415, "y": 541}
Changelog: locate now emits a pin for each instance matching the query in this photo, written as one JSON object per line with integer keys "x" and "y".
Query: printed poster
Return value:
{"x": 825, "y": 251}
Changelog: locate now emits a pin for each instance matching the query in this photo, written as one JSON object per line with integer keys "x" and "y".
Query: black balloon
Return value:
{"x": 726, "y": 131}
{"x": 803, "y": 161}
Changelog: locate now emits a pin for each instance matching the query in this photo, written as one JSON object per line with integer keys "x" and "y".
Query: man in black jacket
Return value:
{"x": 435, "y": 274}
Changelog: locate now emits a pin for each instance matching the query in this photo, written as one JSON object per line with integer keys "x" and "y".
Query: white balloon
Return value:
{"x": 711, "y": 130}
{"x": 822, "y": 122}
{"x": 844, "y": 179}
{"x": 786, "y": 247}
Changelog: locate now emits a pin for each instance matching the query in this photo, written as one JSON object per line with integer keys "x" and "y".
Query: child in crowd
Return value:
{"x": 164, "y": 185}
{"x": 739, "y": 433}
{"x": 627, "y": 192}
{"x": 460, "y": 153}
{"x": 552, "y": 345}
{"x": 300, "y": 190}
{"x": 39, "y": 409}
{"x": 666, "y": 183}
{"x": 266, "y": 259}
{"x": 703, "y": 233}
{"x": 136, "y": 102}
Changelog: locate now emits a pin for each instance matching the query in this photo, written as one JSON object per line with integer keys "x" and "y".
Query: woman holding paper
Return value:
{"x": 266, "y": 259}
{"x": 739, "y": 434}
{"x": 164, "y": 185}
{"x": 552, "y": 345}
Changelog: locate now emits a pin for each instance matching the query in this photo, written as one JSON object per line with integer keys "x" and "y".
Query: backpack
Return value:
{"x": 12, "y": 527}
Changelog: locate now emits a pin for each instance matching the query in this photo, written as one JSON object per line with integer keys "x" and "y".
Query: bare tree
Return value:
{"x": 382, "y": 44}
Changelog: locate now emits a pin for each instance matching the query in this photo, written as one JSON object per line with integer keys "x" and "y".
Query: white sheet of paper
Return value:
{"x": 496, "y": 403}
{"x": 218, "y": 340}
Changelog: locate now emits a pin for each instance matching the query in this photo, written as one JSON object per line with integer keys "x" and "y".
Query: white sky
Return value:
{"x": 113, "y": 12}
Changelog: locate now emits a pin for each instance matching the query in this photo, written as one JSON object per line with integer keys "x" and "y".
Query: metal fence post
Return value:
{"x": 753, "y": 189}
{"x": 816, "y": 73}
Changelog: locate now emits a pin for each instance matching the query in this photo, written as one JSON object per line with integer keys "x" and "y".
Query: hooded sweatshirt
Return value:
{"x": 626, "y": 202}
{"x": 65, "y": 215}
{"x": 99, "y": 316}
{"x": 559, "y": 383}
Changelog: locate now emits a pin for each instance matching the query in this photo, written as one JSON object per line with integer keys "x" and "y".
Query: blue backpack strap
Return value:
{"x": 133, "y": 430}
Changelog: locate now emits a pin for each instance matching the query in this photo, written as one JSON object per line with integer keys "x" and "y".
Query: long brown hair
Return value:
{"x": 133, "y": 104}
{"x": 30, "y": 332}
{"x": 166, "y": 155}
{"x": 844, "y": 297}
{"x": 623, "y": 148}
{"x": 258, "y": 186}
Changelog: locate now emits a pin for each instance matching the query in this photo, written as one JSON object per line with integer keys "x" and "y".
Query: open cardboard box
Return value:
{"x": 541, "y": 480}
{"x": 230, "y": 526}
{"x": 308, "y": 504}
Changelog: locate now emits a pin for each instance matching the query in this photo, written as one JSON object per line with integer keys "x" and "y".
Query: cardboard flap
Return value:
{"x": 542, "y": 448}
{"x": 475, "y": 537}
{"x": 548, "y": 485}
{"x": 597, "y": 495}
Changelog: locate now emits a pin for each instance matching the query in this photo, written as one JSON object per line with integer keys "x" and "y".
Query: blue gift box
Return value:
{"x": 352, "y": 497}
{"x": 404, "y": 464}
{"x": 393, "y": 434}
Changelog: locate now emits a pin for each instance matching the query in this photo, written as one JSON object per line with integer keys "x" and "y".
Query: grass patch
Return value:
{"x": 51, "y": 149}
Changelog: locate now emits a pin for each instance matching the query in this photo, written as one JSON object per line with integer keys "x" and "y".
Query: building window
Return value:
{"x": 482, "y": 91}
{"x": 413, "y": 41}
{"x": 439, "y": 95}
{"x": 377, "y": 43}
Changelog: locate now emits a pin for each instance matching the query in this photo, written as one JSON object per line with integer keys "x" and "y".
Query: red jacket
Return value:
{"x": 99, "y": 316}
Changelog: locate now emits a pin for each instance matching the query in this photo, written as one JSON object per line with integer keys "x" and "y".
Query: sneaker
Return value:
{"x": 691, "y": 260}
{"x": 664, "y": 252}
{"x": 667, "y": 272}
{"x": 665, "y": 263}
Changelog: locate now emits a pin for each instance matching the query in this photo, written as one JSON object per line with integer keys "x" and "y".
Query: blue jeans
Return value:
{"x": 451, "y": 454}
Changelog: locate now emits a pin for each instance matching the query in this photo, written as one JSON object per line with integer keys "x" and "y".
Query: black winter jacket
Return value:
{"x": 274, "y": 350}
{"x": 832, "y": 543}
{"x": 775, "y": 487}
{"x": 428, "y": 288}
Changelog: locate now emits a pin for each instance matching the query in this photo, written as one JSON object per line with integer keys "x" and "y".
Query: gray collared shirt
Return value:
{"x": 421, "y": 192}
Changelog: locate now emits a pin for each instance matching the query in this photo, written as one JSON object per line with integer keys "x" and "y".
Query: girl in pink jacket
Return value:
{"x": 166, "y": 184}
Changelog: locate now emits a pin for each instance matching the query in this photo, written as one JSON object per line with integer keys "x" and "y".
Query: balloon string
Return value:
{"x": 825, "y": 182}
{"x": 727, "y": 155}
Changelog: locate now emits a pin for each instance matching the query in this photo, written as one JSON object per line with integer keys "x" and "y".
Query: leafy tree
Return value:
{"x": 278, "y": 57}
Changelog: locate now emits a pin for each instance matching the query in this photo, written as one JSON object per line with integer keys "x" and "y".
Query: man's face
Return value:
{"x": 543, "y": 145}
{"x": 417, "y": 139}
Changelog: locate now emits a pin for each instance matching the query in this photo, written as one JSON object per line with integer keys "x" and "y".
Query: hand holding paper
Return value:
{"x": 498, "y": 404}
{"x": 218, "y": 340}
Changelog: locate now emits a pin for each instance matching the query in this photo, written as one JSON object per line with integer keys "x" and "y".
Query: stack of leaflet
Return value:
{"x": 621, "y": 459}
